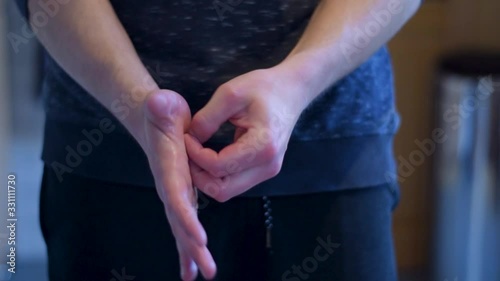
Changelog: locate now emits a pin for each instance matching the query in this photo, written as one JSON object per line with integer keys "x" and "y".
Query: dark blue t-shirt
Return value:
{"x": 342, "y": 140}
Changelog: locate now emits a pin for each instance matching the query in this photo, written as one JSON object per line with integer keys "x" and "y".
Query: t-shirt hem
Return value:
{"x": 308, "y": 166}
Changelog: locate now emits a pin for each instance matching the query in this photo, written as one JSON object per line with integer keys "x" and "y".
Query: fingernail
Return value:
{"x": 193, "y": 267}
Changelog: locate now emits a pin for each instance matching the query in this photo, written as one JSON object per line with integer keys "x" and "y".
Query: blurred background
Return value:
{"x": 447, "y": 70}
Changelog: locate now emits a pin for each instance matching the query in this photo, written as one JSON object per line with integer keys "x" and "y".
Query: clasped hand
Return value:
{"x": 263, "y": 105}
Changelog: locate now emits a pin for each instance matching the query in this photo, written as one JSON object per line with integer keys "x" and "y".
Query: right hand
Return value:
{"x": 167, "y": 118}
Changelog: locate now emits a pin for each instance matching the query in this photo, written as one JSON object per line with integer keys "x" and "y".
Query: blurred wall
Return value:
{"x": 440, "y": 26}
{"x": 473, "y": 24}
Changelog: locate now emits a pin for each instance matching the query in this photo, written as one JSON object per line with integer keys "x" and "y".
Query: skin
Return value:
{"x": 88, "y": 41}
{"x": 265, "y": 104}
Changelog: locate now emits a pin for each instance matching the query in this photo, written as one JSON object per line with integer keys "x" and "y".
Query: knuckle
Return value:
{"x": 165, "y": 101}
{"x": 197, "y": 120}
{"x": 231, "y": 93}
{"x": 207, "y": 188}
{"x": 270, "y": 151}
{"x": 274, "y": 168}
{"x": 201, "y": 124}
{"x": 221, "y": 197}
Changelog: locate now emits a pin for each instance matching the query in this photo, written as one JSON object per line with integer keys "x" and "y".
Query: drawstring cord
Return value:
{"x": 268, "y": 220}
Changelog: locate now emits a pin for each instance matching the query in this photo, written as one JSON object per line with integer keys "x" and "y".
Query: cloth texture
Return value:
{"x": 98, "y": 230}
{"x": 194, "y": 46}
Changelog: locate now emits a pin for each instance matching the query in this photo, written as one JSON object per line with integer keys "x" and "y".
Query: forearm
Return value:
{"x": 330, "y": 49}
{"x": 90, "y": 44}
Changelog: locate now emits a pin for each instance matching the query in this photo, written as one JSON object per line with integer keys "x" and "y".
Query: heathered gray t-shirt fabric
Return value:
{"x": 342, "y": 140}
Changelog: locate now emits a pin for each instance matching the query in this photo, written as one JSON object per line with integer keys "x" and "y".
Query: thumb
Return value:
{"x": 165, "y": 109}
{"x": 223, "y": 105}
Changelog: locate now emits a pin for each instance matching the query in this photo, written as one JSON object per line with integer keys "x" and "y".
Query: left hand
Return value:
{"x": 166, "y": 118}
{"x": 264, "y": 105}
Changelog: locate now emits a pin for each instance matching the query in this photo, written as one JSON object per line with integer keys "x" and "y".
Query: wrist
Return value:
{"x": 311, "y": 71}
{"x": 130, "y": 109}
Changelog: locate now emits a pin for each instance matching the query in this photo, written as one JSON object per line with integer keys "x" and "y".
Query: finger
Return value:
{"x": 238, "y": 133}
{"x": 223, "y": 189}
{"x": 200, "y": 254}
{"x": 205, "y": 262}
{"x": 183, "y": 211}
{"x": 219, "y": 109}
{"x": 169, "y": 165}
{"x": 247, "y": 152}
{"x": 176, "y": 192}
{"x": 188, "y": 267}
{"x": 165, "y": 109}
{"x": 207, "y": 183}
